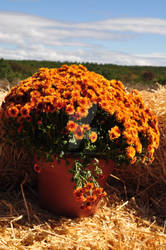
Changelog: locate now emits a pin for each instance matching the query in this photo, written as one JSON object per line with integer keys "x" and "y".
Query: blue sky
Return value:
{"x": 103, "y": 31}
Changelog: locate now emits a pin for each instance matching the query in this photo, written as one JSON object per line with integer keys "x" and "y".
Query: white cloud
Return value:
{"x": 30, "y": 37}
{"x": 138, "y": 25}
{"x": 81, "y": 55}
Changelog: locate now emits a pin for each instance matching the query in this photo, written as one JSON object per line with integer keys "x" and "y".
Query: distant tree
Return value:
{"x": 129, "y": 77}
{"x": 5, "y": 70}
{"x": 148, "y": 76}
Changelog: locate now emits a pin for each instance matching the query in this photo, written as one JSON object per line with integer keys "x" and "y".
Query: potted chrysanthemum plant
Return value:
{"x": 78, "y": 125}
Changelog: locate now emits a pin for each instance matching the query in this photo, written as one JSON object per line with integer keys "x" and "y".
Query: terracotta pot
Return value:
{"x": 56, "y": 189}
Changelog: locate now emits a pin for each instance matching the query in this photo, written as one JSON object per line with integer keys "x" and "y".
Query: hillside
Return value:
{"x": 12, "y": 71}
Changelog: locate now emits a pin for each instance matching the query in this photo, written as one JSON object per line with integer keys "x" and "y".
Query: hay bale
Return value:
{"x": 117, "y": 225}
{"x": 15, "y": 166}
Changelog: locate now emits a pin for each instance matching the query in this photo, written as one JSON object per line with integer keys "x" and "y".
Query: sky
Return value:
{"x": 123, "y": 32}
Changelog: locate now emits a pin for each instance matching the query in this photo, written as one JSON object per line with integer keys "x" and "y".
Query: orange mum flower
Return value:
{"x": 25, "y": 111}
{"x": 138, "y": 147}
{"x": 70, "y": 109}
{"x": 98, "y": 191}
{"x": 82, "y": 111}
{"x": 79, "y": 194}
{"x": 59, "y": 104}
{"x": 79, "y": 133}
{"x": 75, "y": 95}
{"x": 121, "y": 85}
{"x": 120, "y": 117}
{"x": 133, "y": 160}
{"x": 48, "y": 99}
{"x": 85, "y": 127}
{"x": 13, "y": 112}
{"x": 104, "y": 104}
{"x": 89, "y": 186}
{"x": 113, "y": 82}
{"x": 93, "y": 136}
{"x": 150, "y": 149}
{"x": 83, "y": 101}
{"x": 92, "y": 198}
{"x": 35, "y": 94}
{"x": 130, "y": 152}
{"x": 114, "y": 133}
{"x": 71, "y": 126}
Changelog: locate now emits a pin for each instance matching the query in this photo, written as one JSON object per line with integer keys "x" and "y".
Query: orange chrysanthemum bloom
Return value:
{"x": 71, "y": 126}
{"x": 93, "y": 137}
{"x": 150, "y": 149}
{"x": 132, "y": 161}
{"x": 59, "y": 104}
{"x": 138, "y": 147}
{"x": 35, "y": 94}
{"x": 79, "y": 133}
{"x": 120, "y": 117}
{"x": 114, "y": 133}
{"x": 79, "y": 194}
{"x": 104, "y": 104}
{"x": 92, "y": 198}
{"x": 130, "y": 152}
{"x": 34, "y": 101}
{"x": 85, "y": 127}
{"x": 83, "y": 101}
{"x": 13, "y": 112}
{"x": 89, "y": 186}
{"x": 67, "y": 94}
{"x": 24, "y": 111}
{"x": 82, "y": 111}
{"x": 48, "y": 99}
{"x": 70, "y": 109}
{"x": 98, "y": 191}
{"x": 88, "y": 195}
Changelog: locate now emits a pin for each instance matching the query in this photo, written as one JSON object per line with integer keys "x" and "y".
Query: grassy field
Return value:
{"x": 132, "y": 216}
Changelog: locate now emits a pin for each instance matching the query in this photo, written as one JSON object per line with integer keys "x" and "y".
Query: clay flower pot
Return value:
{"x": 56, "y": 188}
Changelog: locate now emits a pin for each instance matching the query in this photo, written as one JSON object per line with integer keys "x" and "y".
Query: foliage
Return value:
{"x": 148, "y": 76}
{"x": 16, "y": 69}
{"x": 70, "y": 111}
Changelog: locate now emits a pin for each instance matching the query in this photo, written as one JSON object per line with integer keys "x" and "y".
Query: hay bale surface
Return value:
{"x": 117, "y": 225}
{"x": 131, "y": 217}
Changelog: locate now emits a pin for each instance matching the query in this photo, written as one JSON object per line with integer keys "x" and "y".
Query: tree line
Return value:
{"x": 16, "y": 70}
